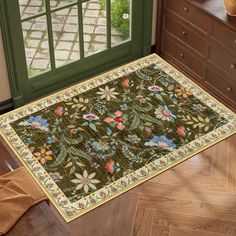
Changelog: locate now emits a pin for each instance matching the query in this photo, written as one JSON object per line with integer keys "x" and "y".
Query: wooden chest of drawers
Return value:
{"x": 199, "y": 38}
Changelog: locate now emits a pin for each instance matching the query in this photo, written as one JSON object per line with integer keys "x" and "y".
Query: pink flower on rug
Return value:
{"x": 59, "y": 111}
{"x": 43, "y": 156}
{"x": 110, "y": 166}
{"x": 125, "y": 83}
{"x": 181, "y": 131}
{"x": 118, "y": 119}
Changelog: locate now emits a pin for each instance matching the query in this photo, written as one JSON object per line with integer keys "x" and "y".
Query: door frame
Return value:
{"x": 18, "y": 85}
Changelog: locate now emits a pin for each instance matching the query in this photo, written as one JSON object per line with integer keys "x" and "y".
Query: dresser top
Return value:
{"x": 216, "y": 9}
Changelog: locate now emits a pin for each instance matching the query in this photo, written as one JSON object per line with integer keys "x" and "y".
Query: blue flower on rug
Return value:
{"x": 100, "y": 149}
{"x": 162, "y": 142}
{"x": 36, "y": 122}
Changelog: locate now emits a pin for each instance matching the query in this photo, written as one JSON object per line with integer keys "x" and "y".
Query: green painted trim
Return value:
{"x": 108, "y": 14}
{"x": 147, "y": 42}
{"x": 81, "y": 28}
{"x": 50, "y": 35}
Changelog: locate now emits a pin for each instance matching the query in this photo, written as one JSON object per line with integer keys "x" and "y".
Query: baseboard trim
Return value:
{"x": 153, "y": 48}
{"x": 6, "y": 106}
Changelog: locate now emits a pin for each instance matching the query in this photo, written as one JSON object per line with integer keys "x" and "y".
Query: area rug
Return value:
{"x": 91, "y": 142}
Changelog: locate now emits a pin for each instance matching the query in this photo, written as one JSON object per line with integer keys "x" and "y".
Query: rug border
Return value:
{"x": 131, "y": 186}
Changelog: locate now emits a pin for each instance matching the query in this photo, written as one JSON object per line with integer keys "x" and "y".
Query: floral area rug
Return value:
{"x": 87, "y": 144}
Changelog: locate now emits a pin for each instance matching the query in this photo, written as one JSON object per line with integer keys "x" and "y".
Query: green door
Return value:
{"x": 51, "y": 44}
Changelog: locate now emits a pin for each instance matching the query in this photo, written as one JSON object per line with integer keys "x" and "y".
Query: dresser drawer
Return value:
{"x": 223, "y": 60}
{"x": 183, "y": 56}
{"x": 223, "y": 86}
{"x": 195, "y": 40}
{"x": 189, "y": 13}
{"x": 224, "y": 35}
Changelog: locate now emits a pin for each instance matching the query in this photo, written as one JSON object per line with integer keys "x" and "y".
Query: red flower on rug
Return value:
{"x": 181, "y": 131}
{"x": 125, "y": 83}
{"x": 59, "y": 111}
{"x": 110, "y": 166}
{"x": 118, "y": 118}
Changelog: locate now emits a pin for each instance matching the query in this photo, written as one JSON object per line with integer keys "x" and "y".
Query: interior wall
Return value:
{"x": 4, "y": 81}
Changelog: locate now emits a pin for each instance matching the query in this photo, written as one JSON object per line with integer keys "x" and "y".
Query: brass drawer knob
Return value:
{"x": 232, "y": 66}
{"x": 181, "y": 55}
{"x": 235, "y": 41}
{"x": 184, "y": 33}
{"x": 229, "y": 89}
{"x": 185, "y": 9}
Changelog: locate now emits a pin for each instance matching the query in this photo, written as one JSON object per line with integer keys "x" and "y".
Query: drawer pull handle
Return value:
{"x": 235, "y": 41}
{"x": 232, "y": 66}
{"x": 181, "y": 55}
{"x": 184, "y": 33}
{"x": 185, "y": 9}
{"x": 229, "y": 89}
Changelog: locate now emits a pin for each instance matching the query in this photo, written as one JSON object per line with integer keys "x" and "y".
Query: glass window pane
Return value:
{"x": 65, "y": 34}
{"x": 59, "y": 3}
{"x": 36, "y": 45}
{"x": 120, "y": 21}
{"x": 31, "y": 7}
{"x": 94, "y": 22}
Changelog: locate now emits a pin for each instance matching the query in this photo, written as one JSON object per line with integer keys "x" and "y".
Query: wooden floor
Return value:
{"x": 196, "y": 198}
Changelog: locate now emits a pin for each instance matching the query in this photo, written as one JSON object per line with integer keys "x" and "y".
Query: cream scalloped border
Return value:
{"x": 72, "y": 211}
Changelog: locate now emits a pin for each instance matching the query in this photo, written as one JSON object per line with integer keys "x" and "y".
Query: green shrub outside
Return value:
{"x": 120, "y": 9}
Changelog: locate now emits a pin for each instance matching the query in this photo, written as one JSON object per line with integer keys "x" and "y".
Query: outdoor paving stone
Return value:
{"x": 32, "y": 43}
{"x": 42, "y": 55}
{"x": 39, "y": 26}
{"x": 90, "y": 20}
{"x": 100, "y": 38}
{"x": 32, "y": 10}
{"x": 70, "y": 28}
{"x": 63, "y": 12}
{"x": 57, "y": 27}
{"x": 87, "y": 37}
{"x": 114, "y": 32}
{"x": 64, "y": 45}
{"x": 94, "y": 6}
{"x": 36, "y": 2}
{"x": 74, "y": 11}
{"x": 102, "y": 21}
{"x": 115, "y": 40}
{"x": 44, "y": 44}
{"x": 40, "y": 64}
{"x": 23, "y": 2}
{"x": 92, "y": 13}
{"x": 98, "y": 47}
{"x": 30, "y": 52}
{"x": 88, "y": 29}
{"x": 86, "y": 46}
{"x": 68, "y": 36}
{"x": 76, "y": 47}
{"x": 27, "y": 25}
{"x": 36, "y": 34}
{"x": 29, "y": 60}
{"x": 72, "y": 20}
{"x": 62, "y": 54}
{"x": 25, "y": 32}
{"x": 74, "y": 56}
{"x": 100, "y": 30}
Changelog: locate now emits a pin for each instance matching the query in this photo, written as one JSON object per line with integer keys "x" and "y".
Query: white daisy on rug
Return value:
{"x": 85, "y": 181}
{"x": 107, "y": 93}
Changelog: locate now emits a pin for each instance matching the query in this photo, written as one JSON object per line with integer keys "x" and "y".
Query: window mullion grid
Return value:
{"x": 81, "y": 29}
{"x": 50, "y": 34}
{"x": 108, "y": 14}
